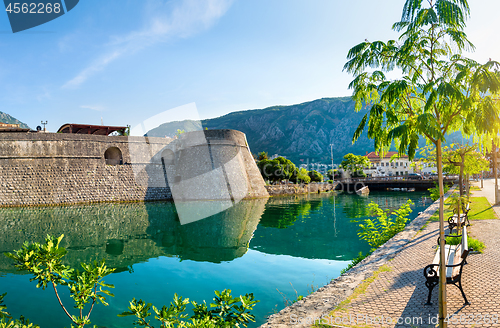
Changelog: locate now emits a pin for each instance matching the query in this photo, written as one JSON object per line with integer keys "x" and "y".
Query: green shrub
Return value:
{"x": 378, "y": 231}
{"x": 435, "y": 191}
{"x": 225, "y": 312}
{"x": 475, "y": 244}
{"x": 44, "y": 261}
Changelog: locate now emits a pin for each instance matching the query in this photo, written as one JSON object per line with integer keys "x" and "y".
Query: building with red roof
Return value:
{"x": 390, "y": 164}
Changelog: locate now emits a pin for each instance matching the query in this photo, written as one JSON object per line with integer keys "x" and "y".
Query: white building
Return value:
{"x": 384, "y": 166}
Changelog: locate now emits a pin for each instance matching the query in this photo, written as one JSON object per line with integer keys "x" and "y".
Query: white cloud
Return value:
{"x": 164, "y": 22}
{"x": 96, "y": 108}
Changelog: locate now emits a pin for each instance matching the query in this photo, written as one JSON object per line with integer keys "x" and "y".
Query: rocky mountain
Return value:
{"x": 6, "y": 118}
{"x": 300, "y": 132}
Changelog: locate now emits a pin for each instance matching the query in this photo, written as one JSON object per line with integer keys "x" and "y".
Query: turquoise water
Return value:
{"x": 273, "y": 248}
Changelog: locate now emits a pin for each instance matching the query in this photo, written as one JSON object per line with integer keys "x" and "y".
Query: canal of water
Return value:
{"x": 276, "y": 248}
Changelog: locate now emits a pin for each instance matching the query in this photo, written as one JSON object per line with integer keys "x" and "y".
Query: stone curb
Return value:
{"x": 328, "y": 297}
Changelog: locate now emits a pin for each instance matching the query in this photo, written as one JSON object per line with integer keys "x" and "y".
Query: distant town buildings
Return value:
{"x": 383, "y": 166}
{"x": 7, "y": 127}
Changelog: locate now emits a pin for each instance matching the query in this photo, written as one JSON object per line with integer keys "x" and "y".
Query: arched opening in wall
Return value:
{"x": 113, "y": 156}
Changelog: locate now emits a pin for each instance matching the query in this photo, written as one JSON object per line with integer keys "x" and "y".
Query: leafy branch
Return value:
{"x": 225, "y": 312}
{"x": 44, "y": 261}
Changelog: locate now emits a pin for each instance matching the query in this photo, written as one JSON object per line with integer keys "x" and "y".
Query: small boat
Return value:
{"x": 363, "y": 191}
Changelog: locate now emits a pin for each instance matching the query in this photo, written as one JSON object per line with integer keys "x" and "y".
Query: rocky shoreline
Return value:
{"x": 293, "y": 189}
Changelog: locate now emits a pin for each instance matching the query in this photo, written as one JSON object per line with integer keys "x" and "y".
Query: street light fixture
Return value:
{"x": 331, "y": 153}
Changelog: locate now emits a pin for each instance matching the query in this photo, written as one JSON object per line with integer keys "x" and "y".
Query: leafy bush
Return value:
{"x": 315, "y": 176}
{"x": 473, "y": 243}
{"x": 225, "y": 312}
{"x": 435, "y": 191}
{"x": 378, "y": 231}
{"x": 44, "y": 261}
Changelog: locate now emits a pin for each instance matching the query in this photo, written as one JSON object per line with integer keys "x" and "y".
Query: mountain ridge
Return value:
{"x": 302, "y": 132}
{"x": 6, "y": 118}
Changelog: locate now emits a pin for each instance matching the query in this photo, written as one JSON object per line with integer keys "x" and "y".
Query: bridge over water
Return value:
{"x": 384, "y": 183}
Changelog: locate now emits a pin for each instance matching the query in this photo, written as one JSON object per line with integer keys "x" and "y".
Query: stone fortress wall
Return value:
{"x": 58, "y": 168}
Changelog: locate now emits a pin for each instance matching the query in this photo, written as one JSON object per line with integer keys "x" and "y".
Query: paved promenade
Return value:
{"x": 399, "y": 294}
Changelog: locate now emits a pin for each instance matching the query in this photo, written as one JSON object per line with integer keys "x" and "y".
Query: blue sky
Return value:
{"x": 128, "y": 60}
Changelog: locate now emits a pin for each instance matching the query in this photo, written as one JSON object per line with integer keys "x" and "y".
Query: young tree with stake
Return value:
{"x": 439, "y": 90}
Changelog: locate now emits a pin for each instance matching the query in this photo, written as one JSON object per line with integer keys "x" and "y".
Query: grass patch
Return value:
{"x": 476, "y": 245}
{"x": 476, "y": 188}
{"x": 480, "y": 209}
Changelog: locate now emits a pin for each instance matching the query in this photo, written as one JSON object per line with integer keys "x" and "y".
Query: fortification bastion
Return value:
{"x": 64, "y": 168}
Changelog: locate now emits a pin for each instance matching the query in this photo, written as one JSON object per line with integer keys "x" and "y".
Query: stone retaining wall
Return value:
{"x": 290, "y": 189}
{"x": 56, "y": 168}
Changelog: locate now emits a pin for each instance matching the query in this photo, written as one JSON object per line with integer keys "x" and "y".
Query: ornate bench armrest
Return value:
{"x": 430, "y": 272}
{"x": 455, "y": 265}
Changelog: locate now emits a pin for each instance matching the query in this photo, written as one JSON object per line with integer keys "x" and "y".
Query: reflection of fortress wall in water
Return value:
{"x": 125, "y": 234}
{"x": 59, "y": 168}
{"x": 306, "y": 229}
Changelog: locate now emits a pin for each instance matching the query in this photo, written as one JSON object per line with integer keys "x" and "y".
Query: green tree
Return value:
{"x": 464, "y": 160}
{"x": 302, "y": 176}
{"x": 334, "y": 174}
{"x": 262, "y": 155}
{"x": 44, "y": 261}
{"x": 277, "y": 169}
{"x": 439, "y": 90}
{"x": 354, "y": 164}
{"x": 179, "y": 132}
{"x": 315, "y": 176}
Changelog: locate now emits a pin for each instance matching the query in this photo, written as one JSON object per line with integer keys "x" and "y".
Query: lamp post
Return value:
{"x": 44, "y": 124}
{"x": 331, "y": 153}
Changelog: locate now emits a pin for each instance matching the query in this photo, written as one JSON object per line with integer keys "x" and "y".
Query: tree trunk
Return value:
{"x": 442, "y": 266}
{"x": 461, "y": 175}
{"x": 467, "y": 185}
{"x": 494, "y": 153}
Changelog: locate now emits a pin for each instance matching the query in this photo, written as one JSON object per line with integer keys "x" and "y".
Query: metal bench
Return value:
{"x": 455, "y": 256}
{"x": 464, "y": 218}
